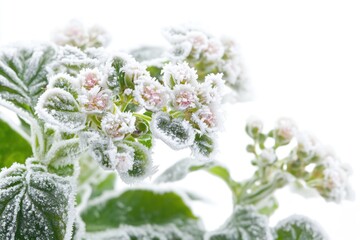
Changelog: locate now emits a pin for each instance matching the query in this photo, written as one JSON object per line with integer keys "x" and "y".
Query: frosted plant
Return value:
{"x": 86, "y": 118}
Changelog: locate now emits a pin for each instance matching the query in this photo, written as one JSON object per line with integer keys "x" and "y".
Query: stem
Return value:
{"x": 143, "y": 117}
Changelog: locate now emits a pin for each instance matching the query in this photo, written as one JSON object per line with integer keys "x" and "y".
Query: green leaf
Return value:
{"x": 267, "y": 206}
{"x": 23, "y": 77}
{"x": 62, "y": 155}
{"x": 203, "y": 146}
{"x": 176, "y": 133}
{"x": 13, "y": 147}
{"x": 185, "y": 166}
{"x": 141, "y": 214}
{"x": 299, "y": 227}
{"x": 35, "y": 203}
{"x": 60, "y": 109}
{"x": 143, "y": 164}
{"x": 244, "y": 224}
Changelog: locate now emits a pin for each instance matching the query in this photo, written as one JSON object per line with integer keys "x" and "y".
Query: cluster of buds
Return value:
{"x": 75, "y": 34}
{"x": 208, "y": 54}
{"x": 307, "y": 162}
{"x": 117, "y": 105}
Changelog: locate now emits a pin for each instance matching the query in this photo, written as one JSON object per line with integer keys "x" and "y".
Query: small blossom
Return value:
{"x": 268, "y": 156}
{"x": 95, "y": 100}
{"x": 216, "y": 82}
{"x": 285, "y": 130}
{"x": 180, "y": 73}
{"x": 124, "y": 162}
{"x": 118, "y": 125}
{"x": 184, "y": 97}
{"x": 215, "y": 50}
{"x": 198, "y": 39}
{"x": 134, "y": 70}
{"x": 254, "y": 126}
{"x": 90, "y": 78}
{"x": 98, "y": 37}
{"x": 73, "y": 34}
{"x": 150, "y": 93}
{"x": 205, "y": 118}
{"x": 128, "y": 91}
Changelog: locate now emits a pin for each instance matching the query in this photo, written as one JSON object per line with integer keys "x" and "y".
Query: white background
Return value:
{"x": 303, "y": 58}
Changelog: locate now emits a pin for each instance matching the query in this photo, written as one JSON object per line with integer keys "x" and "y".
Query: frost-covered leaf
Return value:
{"x": 93, "y": 181}
{"x": 267, "y": 206}
{"x": 13, "y": 147}
{"x": 141, "y": 214}
{"x": 244, "y": 224}
{"x": 35, "y": 204}
{"x": 203, "y": 147}
{"x": 143, "y": 164}
{"x": 23, "y": 76}
{"x": 176, "y": 133}
{"x": 60, "y": 109}
{"x": 299, "y": 227}
{"x": 185, "y": 166}
{"x": 61, "y": 156}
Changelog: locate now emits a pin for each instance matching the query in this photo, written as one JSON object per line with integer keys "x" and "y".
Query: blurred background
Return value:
{"x": 302, "y": 59}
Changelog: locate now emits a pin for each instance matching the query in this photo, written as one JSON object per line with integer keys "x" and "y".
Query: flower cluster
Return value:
{"x": 110, "y": 100}
{"x": 308, "y": 162}
{"x": 75, "y": 34}
{"x": 208, "y": 54}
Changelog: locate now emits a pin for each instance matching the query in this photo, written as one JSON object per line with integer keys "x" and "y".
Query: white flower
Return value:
{"x": 184, "y": 97}
{"x": 216, "y": 82}
{"x": 118, "y": 125}
{"x": 336, "y": 184}
{"x": 124, "y": 162}
{"x": 90, "y": 78}
{"x": 286, "y": 129}
{"x": 128, "y": 91}
{"x": 95, "y": 99}
{"x": 180, "y": 73}
{"x": 150, "y": 93}
{"x": 73, "y": 34}
{"x": 98, "y": 37}
{"x": 214, "y": 50}
{"x": 206, "y": 119}
{"x": 268, "y": 156}
{"x": 198, "y": 39}
{"x": 134, "y": 70}
{"x": 254, "y": 123}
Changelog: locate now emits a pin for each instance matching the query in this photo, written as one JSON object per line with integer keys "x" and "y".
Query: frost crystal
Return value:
{"x": 206, "y": 119}
{"x": 118, "y": 125}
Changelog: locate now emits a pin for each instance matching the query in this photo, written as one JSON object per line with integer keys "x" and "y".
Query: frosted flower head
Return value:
{"x": 198, "y": 39}
{"x": 134, "y": 70}
{"x": 118, "y": 125}
{"x": 216, "y": 82}
{"x": 150, "y": 93}
{"x": 206, "y": 119}
{"x": 98, "y": 37}
{"x": 73, "y": 34}
{"x": 214, "y": 50}
{"x": 90, "y": 78}
{"x": 124, "y": 162}
{"x": 180, "y": 73}
{"x": 306, "y": 144}
{"x": 184, "y": 97}
{"x": 285, "y": 130}
{"x": 254, "y": 126}
{"x": 95, "y": 99}
{"x": 268, "y": 156}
